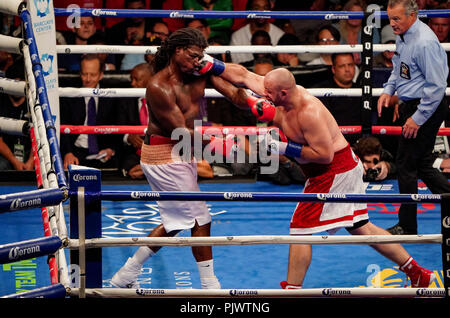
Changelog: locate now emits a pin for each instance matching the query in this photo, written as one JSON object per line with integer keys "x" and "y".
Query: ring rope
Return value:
{"x": 266, "y": 196}
{"x": 191, "y": 14}
{"x": 256, "y": 240}
{"x": 43, "y": 97}
{"x": 51, "y": 260}
{"x": 209, "y": 92}
{"x": 312, "y": 292}
{"x": 55, "y": 213}
{"x": 129, "y": 49}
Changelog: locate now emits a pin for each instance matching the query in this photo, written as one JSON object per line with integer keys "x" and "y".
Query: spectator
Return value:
{"x": 243, "y": 36}
{"x": 219, "y": 26}
{"x": 288, "y": 59}
{"x": 6, "y": 60}
{"x": 78, "y": 36}
{"x": 107, "y": 59}
{"x": 224, "y": 57}
{"x": 158, "y": 29}
{"x": 91, "y": 150}
{"x": 350, "y": 29}
{"x": 116, "y": 35}
{"x": 378, "y": 162}
{"x": 202, "y": 26}
{"x": 440, "y": 27}
{"x": 15, "y": 151}
{"x": 384, "y": 59}
{"x": 134, "y": 36}
{"x": 260, "y": 37}
{"x": 134, "y": 111}
{"x": 262, "y": 66}
{"x": 305, "y": 29}
{"x": 346, "y": 110}
{"x": 327, "y": 35}
{"x": 285, "y": 25}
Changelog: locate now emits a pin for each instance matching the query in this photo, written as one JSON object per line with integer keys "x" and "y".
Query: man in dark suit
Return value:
{"x": 91, "y": 150}
{"x": 133, "y": 111}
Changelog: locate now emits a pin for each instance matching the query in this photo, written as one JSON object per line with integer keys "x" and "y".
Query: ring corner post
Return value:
{"x": 445, "y": 230}
{"x": 90, "y": 180}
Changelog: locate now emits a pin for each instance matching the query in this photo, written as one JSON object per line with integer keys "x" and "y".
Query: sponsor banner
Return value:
{"x": 43, "y": 21}
{"x": 29, "y": 249}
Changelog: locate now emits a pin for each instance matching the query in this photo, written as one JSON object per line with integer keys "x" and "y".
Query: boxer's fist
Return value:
{"x": 262, "y": 109}
{"x": 210, "y": 64}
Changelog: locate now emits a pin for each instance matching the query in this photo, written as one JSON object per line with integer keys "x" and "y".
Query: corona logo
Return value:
{"x": 17, "y": 252}
{"x": 243, "y": 292}
{"x": 336, "y": 292}
{"x": 234, "y": 195}
{"x": 78, "y": 177}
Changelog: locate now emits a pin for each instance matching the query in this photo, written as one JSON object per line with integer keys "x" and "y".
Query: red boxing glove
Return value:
{"x": 262, "y": 108}
{"x": 226, "y": 147}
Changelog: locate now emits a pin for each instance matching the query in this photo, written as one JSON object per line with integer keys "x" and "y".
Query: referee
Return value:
{"x": 419, "y": 77}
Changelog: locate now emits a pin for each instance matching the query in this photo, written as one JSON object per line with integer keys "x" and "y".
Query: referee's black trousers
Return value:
{"x": 415, "y": 160}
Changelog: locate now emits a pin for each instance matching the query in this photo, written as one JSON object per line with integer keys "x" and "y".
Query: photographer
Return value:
{"x": 378, "y": 163}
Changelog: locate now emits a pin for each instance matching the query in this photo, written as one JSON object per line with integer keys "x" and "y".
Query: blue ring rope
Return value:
{"x": 18, "y": 251}
{"x": 266, "y": 196}
{"x": 190, "y": 14}
{"x": 53, "y": 291}
{"x": 31, "y": 199}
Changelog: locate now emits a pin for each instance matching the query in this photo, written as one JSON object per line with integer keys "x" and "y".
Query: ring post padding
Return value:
{"x": 14, "y": 252}
{"x": 445, "y": 228}
{"x": 366, "y": 70}
{"x": 31, "y": 199}
{"x": 53, "y": 291}
{"x": 90, "y": 180}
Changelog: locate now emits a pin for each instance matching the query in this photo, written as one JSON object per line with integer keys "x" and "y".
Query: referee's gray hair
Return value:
{"x": 409, "y": 5}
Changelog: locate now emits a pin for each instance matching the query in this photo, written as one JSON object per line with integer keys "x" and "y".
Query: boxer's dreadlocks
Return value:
{"x": 185, "y": 37}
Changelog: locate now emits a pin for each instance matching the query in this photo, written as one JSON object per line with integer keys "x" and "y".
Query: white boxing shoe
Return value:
{"x": 126, "y": 277}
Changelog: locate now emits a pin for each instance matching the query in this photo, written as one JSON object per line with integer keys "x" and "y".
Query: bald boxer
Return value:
{"x": 311, "y": 135}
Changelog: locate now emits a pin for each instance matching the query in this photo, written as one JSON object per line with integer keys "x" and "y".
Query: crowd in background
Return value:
{"x": 325, "y": 70}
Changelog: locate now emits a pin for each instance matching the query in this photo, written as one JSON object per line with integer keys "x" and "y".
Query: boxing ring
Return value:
{"x": 87, "y": 199}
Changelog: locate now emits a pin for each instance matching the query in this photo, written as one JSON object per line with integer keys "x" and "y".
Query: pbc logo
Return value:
{"x": 47, "y": 64}
{"x": 42, "y": 7}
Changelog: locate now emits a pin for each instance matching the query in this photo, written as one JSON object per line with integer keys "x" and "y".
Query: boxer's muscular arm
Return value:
{"x": 239, "y": 75}
{"x": 319, "y": 145}
{"x": 236, "y": 95}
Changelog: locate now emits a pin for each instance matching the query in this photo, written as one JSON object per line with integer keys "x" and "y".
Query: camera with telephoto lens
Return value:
{"x": 371, "y": 174}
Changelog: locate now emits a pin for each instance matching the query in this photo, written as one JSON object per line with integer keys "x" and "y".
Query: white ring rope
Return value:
{"x": 12, "y": 87}
{"x": 49, "y": 180}
{"x": 312, "y": 292}
{"x": 11, "y": 44}
{"x": 258, "y": 239}
{"x": 10, "y": 6}
{"x": 209, "y": 92}
{"x": 127, "y": 49}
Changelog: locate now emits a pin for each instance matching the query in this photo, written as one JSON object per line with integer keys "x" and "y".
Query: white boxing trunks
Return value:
{"x": 343, "y": 175}
{"x": 166, "y": 173}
